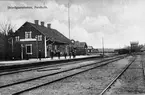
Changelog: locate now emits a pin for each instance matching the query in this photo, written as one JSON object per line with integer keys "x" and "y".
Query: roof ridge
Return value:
{"x": 51, "y": 33}
{"x": 36, "y": 28}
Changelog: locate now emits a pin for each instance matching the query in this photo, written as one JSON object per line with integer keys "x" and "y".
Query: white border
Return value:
{"x": 27, "y": 39}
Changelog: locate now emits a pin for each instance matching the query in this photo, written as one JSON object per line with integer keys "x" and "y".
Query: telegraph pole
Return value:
{"x": 68, "y": 20}
{"x": 103, "y": 46}
{"x": 12, "y": 47}
{"x": 69, "y": 26}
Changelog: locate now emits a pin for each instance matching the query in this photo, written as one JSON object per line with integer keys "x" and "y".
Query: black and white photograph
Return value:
{"x": 72, "y": 47}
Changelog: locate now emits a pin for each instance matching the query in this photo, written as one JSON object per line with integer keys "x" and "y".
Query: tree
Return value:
{"x": 7, "y": 35}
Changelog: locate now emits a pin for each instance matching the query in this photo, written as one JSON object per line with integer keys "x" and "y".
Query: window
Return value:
{"x": 39, "y": 37}
{"x": 28, "y": 35}
{"x": 28, "y": 48}
{"x": 17, "y": 38}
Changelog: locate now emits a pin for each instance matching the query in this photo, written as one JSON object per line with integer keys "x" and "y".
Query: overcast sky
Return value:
{"x": 117, "y": 21}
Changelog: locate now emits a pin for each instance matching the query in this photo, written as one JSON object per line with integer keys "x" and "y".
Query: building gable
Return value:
{"x": 25, "y": 29}
{"x": 80, "y": 44}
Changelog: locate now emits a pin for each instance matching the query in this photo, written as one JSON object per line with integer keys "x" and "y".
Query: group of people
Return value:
{"x": 52, "y": 54}
{"x": 58, "y": 53}
{"x": 72, "y": 53}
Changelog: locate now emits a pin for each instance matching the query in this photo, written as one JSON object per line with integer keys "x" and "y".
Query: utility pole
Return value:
{"x": 103, "y": 46}
{"x": 11, "y": 41}
{"x": 69, "y": 19}
{"x": 69, "y": 25}
{"x": 12, "y": 48}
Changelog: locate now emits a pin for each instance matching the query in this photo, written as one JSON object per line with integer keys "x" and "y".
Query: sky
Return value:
{"x": 117, "y": 22}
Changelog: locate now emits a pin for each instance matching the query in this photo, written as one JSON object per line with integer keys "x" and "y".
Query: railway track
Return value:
{"x": 37, "y": 64}
{"x": 116, "y": 78}
{"x": 70, "y": 72}
{"x": 83, "y": 68}
{"x": 143, "y": 70}
{"x": 13, "y": 71}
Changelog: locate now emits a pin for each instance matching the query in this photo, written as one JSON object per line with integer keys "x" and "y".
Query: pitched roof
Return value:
{"x": 90, "y": 47}
{"x": 80, "y": 44}
{"x": 52, "y": 34}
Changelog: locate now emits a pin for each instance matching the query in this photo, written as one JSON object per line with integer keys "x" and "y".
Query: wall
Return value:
{"x": 36, "y": 45}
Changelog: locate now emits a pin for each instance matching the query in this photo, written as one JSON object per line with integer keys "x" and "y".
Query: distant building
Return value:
{"x": 106, "y": 50}
{"x": 95, "y": 50}
{"x": 32, "y": 37}
{"x": 134, "y": 46}
{"x": 80, "y": 47}
{"x": 92, "y": 50}
{"x": 122, "y": 51}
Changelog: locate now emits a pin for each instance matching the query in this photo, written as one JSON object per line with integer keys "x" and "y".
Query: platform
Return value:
{"x": 44, "y": 61}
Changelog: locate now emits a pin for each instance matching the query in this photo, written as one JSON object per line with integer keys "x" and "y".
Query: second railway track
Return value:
{"x": 116, "y": 78}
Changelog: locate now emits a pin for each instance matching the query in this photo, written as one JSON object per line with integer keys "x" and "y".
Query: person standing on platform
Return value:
{"x": 51, "y": 54}
{"x": 65, "y": 54}
{"x": 73, "y": 54}
{"x": 70, "y": 54}
{"x": 58, "y": 52}
{"x": 39, "y": 54}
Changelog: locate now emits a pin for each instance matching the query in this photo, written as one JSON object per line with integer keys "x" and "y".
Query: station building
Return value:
{"x": 80, "y": 47}
{"x": 92, "y": 50}
{"x": 31, "y": 38}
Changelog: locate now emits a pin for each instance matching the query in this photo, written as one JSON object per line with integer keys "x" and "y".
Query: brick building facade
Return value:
{"x": 2, "y": 47}
{"x": 31, "y": 38}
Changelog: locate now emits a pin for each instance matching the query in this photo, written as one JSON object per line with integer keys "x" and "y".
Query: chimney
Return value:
{"x": 42, "y": 23}
{"x": 48, "y": 25}
{"x": 36, "y": 22}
